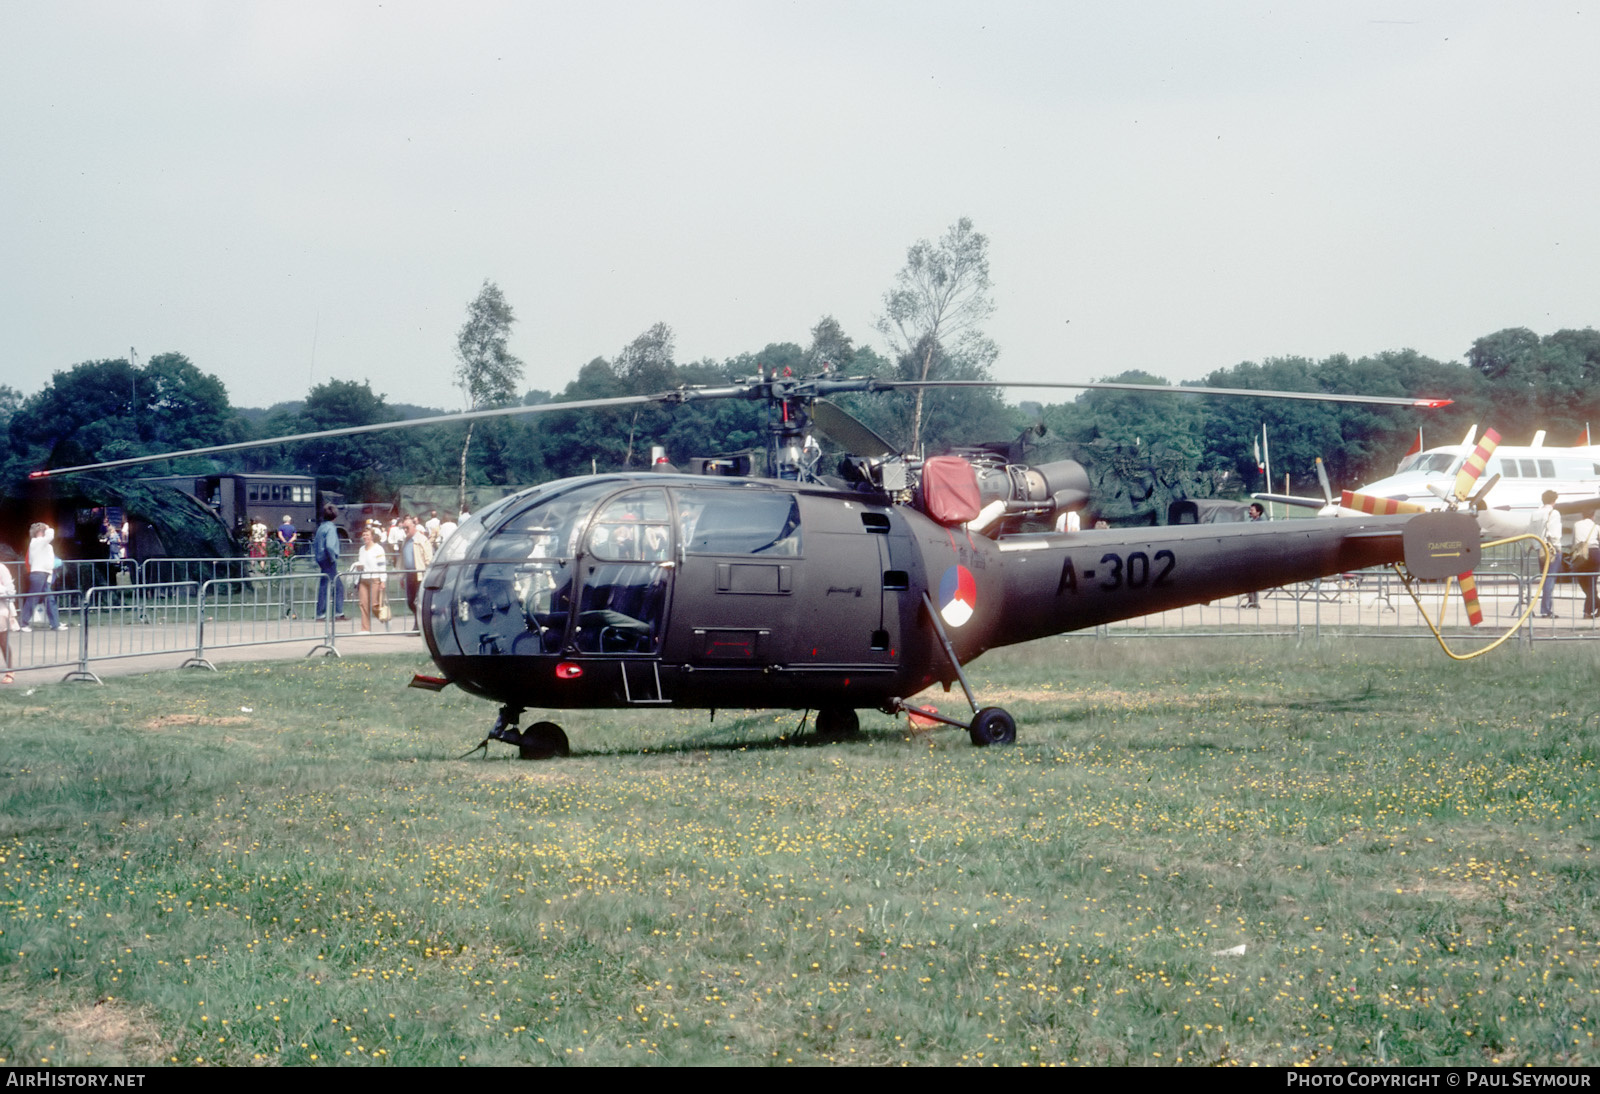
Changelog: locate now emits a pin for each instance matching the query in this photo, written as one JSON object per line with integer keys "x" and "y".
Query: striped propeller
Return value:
{"x": 1471, "y": 471}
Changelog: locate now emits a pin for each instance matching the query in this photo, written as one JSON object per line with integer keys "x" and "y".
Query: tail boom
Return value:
{"x": 1065, "y": 582}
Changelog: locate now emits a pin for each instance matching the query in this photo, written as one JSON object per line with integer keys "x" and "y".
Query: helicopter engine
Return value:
{"x": 1006, "y": 492}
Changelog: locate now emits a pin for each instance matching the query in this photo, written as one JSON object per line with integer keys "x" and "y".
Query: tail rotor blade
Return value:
{"x": 1469, "y": 598}
{"x": 1322, "y": 477}
{"x": 1475, "y": 463}
{"x": 1378, "y": 507}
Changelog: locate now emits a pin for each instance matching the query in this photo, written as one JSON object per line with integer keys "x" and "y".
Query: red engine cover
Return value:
{"x": 950, "y": 490}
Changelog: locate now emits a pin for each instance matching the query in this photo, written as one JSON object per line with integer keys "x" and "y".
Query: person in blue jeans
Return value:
{"x": 325, "y": 550}
{"x": 1546, "y": 525}
{"x": 42, "y": 565}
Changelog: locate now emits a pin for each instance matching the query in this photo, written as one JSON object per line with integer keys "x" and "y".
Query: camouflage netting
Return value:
{"x": 186, "y": 527}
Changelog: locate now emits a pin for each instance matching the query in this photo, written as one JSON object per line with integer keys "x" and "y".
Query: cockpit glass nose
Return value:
{"x": 510, "y": 592}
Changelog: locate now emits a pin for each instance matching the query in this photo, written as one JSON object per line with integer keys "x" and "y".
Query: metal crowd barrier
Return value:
{"x": 201, "y": 570}
{"x": 260, "y": 611}
{"x": 135, "y": 621}
{"x": 40, "y": 647}
{"x": 233, "y": 609}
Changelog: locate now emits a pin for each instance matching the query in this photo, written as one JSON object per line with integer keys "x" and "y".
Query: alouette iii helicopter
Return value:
{"x": 829, "y": 593}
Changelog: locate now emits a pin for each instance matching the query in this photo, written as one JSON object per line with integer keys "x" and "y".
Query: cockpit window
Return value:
{"x": 739, "y": 522}
{"x": 548, "y": 527}
{"x": 633, "y": 527}
{"x": 1437, "y": 461}
{"x": 625, "y": 579}
{"x": 514, "y": 594}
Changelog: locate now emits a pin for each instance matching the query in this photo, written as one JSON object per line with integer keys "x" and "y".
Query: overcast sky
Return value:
{"x": 290, "y": 193}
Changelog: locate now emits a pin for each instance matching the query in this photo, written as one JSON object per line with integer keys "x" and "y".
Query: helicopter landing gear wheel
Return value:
{"x": 837, "y": 722}
{"x": 541, "y": 741}
{"x": 993, "y": 726}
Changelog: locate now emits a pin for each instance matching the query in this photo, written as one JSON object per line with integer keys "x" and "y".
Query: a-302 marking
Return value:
{"x": 1135, "y": 570}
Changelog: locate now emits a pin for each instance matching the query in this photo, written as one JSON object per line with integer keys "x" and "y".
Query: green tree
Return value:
{"x": 486, "y": 371}
{"x": 934, "y": 313}
{"x": 360, "y": 466}
{"x": 112, "y": 409}
{"x": 831, "y": 347}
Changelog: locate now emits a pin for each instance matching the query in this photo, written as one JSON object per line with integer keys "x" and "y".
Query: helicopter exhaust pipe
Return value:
{"x": 1064, "y": 482}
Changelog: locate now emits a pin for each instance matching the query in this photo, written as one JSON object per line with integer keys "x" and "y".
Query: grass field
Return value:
{"x": 1200, "y": 852}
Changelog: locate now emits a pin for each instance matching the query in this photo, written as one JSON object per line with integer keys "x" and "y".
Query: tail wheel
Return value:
{"x": 542, "y": 740}
{"x": 993, "y": 726}
{"x": 837, "y": 722}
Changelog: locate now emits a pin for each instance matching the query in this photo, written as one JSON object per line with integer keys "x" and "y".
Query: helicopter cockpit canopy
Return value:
{"x": 586, "y": 566}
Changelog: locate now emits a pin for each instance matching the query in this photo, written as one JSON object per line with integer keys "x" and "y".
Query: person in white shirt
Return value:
{"x": 1546, "y": 524}
{"x": 372, "y": 565}
{"x": 1586, "y": 559}
{"x": 41, "y": 568}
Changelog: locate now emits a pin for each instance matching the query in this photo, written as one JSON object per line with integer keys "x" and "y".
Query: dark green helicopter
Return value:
{"x": 722, "y": 589}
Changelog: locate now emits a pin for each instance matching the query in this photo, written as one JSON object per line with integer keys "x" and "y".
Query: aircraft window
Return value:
{"x": 730, "y": 522}
{"x": 622, "y": 608}
{"x": 547, "y": 526}
{"x": 1530, "y": 469}
{"x": 1508, "y": 469}
{"x": 1547, "y": 469}
{"x": 490, "y": 513}
{"x": 633, "y": 527}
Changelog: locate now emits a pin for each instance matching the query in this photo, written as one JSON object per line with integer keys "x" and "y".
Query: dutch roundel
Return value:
{"x": 958, "y": 595}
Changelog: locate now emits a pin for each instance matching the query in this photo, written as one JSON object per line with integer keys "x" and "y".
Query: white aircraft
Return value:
{"x": 1514, "y": 479}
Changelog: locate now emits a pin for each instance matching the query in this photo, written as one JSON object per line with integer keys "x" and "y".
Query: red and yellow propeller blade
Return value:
{"x": 1378, "y": 507}
{"x": 1470, "y": 471}
{"x": 1469, "y": 598}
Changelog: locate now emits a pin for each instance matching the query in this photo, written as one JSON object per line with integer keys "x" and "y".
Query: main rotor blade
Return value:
{"x": 802, "y": 387}
{"x": 350, "y": 431}
{"x": 1237, "y": 392}
{"x": 850, "y": 432}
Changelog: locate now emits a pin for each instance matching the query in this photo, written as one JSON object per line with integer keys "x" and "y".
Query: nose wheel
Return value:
{"x": 540, "y": 741}
{"x": 543, "y": 740}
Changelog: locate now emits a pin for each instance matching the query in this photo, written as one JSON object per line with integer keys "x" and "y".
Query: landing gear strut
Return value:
{"x": 540, "y": 741}
{"x": 989, "y": 726}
